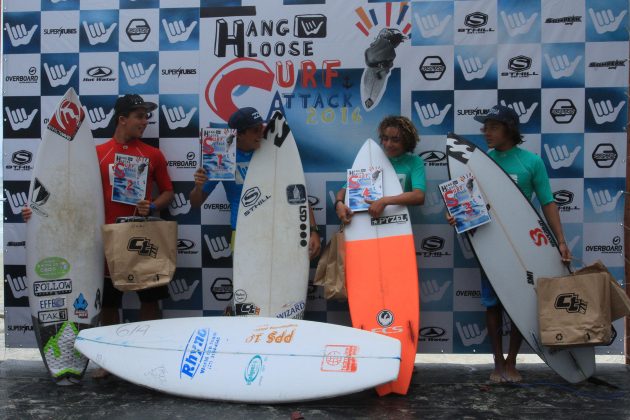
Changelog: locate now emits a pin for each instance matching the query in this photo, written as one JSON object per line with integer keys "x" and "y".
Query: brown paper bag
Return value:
{"x": 619, "y": 300}
{"x": 140, "y": 254}
{"x": 574, "y": 310}
{"x": 330, "y": 271}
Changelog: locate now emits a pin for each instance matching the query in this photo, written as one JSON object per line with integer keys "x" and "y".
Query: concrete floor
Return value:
{"x": 443, "y": 387}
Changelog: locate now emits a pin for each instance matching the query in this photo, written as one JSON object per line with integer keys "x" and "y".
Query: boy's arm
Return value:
{"x": 550, "y": 210}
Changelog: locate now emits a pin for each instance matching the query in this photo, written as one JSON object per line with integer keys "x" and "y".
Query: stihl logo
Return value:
{"x": 571, "y": 302}
{"x": 142, "y": 246}
{"x": 539, "y": 237}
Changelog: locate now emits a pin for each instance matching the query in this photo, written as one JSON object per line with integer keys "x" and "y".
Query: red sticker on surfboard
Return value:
{"x": 339, "y": 358}
{"x": 67, "y": 119}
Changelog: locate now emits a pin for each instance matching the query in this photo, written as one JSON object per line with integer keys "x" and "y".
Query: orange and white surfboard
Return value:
{"x": 381, "y": 270}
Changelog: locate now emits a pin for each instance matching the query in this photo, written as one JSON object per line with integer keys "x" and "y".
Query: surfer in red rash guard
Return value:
{"x": 501, "y": 130}
{"x": 131, "y": 116}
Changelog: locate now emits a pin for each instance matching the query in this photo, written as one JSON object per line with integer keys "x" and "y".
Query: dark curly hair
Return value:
{"x": 408, "y": 133}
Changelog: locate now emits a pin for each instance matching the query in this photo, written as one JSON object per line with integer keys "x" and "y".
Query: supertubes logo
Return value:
{"x": 67, "y": 119}
{"x": 539, "y": 237}
{"x": 194, "y": 353}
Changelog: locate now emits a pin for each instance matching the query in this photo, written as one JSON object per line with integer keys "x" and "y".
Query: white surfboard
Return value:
{"x": 515, "y": 249}
{"x": 272, "y": 230}
{"x": 64, "y": 250}
{"x": 381, "y": 270}
{"x": 246, "y": 359}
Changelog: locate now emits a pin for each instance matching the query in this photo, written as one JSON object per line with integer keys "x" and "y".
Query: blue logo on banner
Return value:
{"x": 100, "y": 114}
{"x": 563, "y": 155}
{"x": 603, "y": 199}
{"x": 179, "y": 116}
{"x": 145, "y": 4}
{"x": 61, "y": 5}
{"x": 607, "y": 20}
{"x": 519, "y": 22}
{"x": 99, "y": 31}
{"x": 432, "y": 23}
{"x": 179, "y": 29}
{"x": 475, "y": 67}
{"x": 436, "y": 289}
{"x": 574, "y": 237}
{"x": 470, "y": 333}
{"x": 139, "y": 72}
{"x": 432, "y": 111}
{"x": 606, "y": 110}
{"x": 21, "y": 33}
{"x": 60, "y": 72}
{"x": 563, "y": 65}
{"x": 526, "y": 103}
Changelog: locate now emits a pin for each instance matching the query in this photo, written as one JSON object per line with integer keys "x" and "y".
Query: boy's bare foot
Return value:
{"x": 511, "y": 374}
{"x": 497, "y": 374}
{"x": 100, "y": 373}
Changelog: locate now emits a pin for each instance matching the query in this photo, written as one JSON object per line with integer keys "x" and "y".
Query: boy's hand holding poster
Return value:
{"x": 218, "y": 153}
{"x": 465, "y": 203}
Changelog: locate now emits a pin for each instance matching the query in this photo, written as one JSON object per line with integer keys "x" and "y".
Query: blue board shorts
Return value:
{"x": 488, "y": 295}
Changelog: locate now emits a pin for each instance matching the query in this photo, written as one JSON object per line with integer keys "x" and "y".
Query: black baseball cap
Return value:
{"x": 245, "y": 118}
{"x": 126, "y": 104}
{"x": 500, "y": 113}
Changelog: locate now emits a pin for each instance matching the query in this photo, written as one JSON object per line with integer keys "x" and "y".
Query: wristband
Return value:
{"x": 152, "y": 207}
{"x": 314, "y": 228}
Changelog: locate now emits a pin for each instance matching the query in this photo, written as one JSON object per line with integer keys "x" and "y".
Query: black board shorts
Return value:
{"x": 112, "y": 297}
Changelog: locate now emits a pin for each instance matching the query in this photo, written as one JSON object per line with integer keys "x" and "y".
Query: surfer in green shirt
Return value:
{"x": 502, "y": 134}
{"x": 399, "y": 138}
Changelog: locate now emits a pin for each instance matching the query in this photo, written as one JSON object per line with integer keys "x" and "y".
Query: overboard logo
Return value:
{"x": 614, "y": 248}
{"x": 605, "y": 155}
{"x": 190, "y": 162}
{"x": 253, "y": 369}
{"x": 194, "y": 353}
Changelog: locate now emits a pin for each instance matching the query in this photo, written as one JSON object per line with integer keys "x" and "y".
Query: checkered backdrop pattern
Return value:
{"x": 561, "y": 64}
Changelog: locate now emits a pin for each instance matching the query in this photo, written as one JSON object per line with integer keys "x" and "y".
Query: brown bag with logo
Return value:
{"x": 331, "y": 272}
{"x": 619, "y": 300}
{"x": 575, "y": 309}
{"x": 141, "y": 253}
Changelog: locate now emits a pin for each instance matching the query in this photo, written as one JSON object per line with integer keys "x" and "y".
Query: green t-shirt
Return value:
{"x": 410, "y": 171}
{"x": 527, "y": 170}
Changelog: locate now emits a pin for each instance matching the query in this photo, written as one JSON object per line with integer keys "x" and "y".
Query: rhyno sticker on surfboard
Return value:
{"x": 64, "y": 261}
{"x": 516, "y": 248}
{"x": 271, "y": 242}
{"x": 244, "y": 359}
{"x": 381, "y": 270}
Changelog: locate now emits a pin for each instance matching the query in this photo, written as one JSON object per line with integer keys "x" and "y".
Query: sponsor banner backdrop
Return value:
{"x": 335, "y": 69}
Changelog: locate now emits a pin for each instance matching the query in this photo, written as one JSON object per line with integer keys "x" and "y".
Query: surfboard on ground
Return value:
{"x": 515, "y": 249}
{"x": 271, "y": 262}
{"x": 64, "y": 251}
{"x": 245, "y": 359}
{"x": 381, "y": 270}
